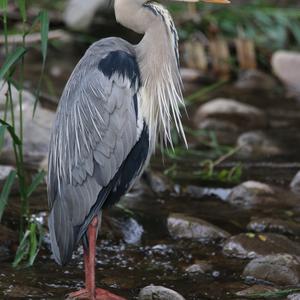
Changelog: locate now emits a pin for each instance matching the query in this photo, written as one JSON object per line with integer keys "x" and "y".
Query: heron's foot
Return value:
{"x": 100, "y": 294}
{"x": 81, "y": 294}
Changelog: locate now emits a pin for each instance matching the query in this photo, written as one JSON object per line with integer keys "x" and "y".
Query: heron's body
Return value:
{"x": 119, "y": 99}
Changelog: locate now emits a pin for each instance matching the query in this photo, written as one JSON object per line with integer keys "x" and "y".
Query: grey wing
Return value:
{"x": 95, "y": 129}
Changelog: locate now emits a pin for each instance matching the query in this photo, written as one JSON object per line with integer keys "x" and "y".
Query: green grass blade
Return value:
{"x": 2, "y": 135}
{"x": 22, "y": 250}
{"x": 22, "y": 8}
{"x": 33, "y": 244}
{"x": 6, "y": 191}
{"x": 3, "y": 4}
{"x": 11, "y": 60}
{"x": 44, "y": 19}
{"x": 12, "y": 132}
{"x": 37, "y": 179}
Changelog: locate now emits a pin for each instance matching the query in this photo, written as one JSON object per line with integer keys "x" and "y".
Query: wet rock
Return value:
{"x": 286, "y": 65}
{"x": 281, "y": 269}
{"x": 295, "y": 184}
{"x": 250, "y": 245}
{"x": 294, "y": 296}
{"x": 255, "y": 143}
{"x": 159, "y": 293}
{"x": 218, "y": 125}
{"x": 36, "y": 131}
{"x": 200, "y": 266}
{"x": 195, "y": 191}
{"x": 255, "y": 289}
{"x": 4, "y": 172}
{"x": 252, "y": 193}
{"x": 182, "y": 226}
{"x": 274, "y": 225}
{"x": 190, "y": 75}
{"x": 255, "y": 80}
{"x": 241, "y": 115}
{"x": 158, "y": 182}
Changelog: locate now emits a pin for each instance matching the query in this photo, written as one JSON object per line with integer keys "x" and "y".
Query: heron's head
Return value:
{"x": 130, "y": 13}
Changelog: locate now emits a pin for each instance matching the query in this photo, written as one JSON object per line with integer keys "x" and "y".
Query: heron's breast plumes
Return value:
{"x": 161, "y": 94}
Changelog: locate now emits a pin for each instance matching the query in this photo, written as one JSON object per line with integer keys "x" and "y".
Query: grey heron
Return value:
{"x": 118, "y": 101}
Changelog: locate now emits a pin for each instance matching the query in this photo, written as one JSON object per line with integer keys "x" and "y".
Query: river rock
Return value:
{"x": 158, "y": 293}
{"x": 252, "y": 193}
{"x": 286, "y": 66}
{"x": 256, "y": 289}
{"x": 182, "y": 226}
{"x": 157, "y": 182}
{"x": 250, "y": 245}
{"x": 200, "y": 266}
{"x": 241, "y": 115}
{"x": 295, "y": 296}
{"x": 36, "y": 130}
{"x": 281, "y": 269}
{"x": 256, "y": 143}
{"x": 255, "y": 80}
{"x": 79, "y": 14}
{"x": 295, "y": 184}
{"x": 274, "y": 225}
{"x": 4, "y": 172}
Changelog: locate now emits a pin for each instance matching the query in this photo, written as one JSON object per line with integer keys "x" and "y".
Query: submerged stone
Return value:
{"x": 281, "y": 269}
{"x": 250, "y": 245}
{"x": 182, "y": 226}
{"x": 158, "y": 293}
{"x": 200, "y": 266}
{"x": 255, "y": 289}
{"x": 274, "y": 225}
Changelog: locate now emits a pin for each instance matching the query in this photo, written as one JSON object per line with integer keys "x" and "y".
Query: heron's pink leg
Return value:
{"x": 91, "y": 292}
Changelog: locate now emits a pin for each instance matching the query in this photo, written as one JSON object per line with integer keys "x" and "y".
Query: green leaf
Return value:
{"x": 2, "y": 135}
{"x": 33, "y": 244}
{"x": 11, "y": 59}
{"x": 3, "y": 4}
{"x": 22, "y": 8}
{"x": 12, "y": 132}
{"x": 6, "y": 191}
{"x": 37, "y": 179}
{"x": 22, "y": 250}
{"x": 44, "y": 19}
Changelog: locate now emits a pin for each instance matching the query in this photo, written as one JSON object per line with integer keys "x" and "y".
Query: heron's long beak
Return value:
{"x": 208, "y": 1}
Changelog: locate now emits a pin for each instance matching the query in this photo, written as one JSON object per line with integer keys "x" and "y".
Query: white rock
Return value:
{"x": 257, "y": 143}
{"x": 240, "y": 114}
{"x": 36, "y": 130}
{"x": 295, "y": 184}
{"x": 80, "y": 14}
{"x": 158, "y": 293}
{"x": 286, "y": 65}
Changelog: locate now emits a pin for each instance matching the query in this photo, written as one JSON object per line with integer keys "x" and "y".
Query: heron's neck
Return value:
{"x": 157, "y": 56}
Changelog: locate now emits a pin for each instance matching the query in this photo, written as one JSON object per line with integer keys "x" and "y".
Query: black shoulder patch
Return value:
{"x": 122, "y": 63}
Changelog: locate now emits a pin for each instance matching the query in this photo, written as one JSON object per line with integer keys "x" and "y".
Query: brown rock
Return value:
{"x": 250, "y": 245}
{"x": 281, "y": 269}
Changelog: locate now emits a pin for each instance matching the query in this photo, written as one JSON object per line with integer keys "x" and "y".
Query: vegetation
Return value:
{"x": 12, "y": 71}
